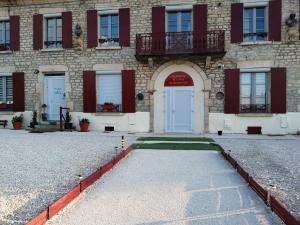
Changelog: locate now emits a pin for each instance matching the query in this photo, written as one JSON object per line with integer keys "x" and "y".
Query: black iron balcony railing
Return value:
{"x": 180, "y": 43}
{"x": 257, "y": 108}
{"x": 4, "y": 46}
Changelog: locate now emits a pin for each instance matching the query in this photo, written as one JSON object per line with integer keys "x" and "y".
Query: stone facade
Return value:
{"x": 75, "y": 61}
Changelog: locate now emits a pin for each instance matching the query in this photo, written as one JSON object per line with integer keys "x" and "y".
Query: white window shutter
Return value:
{"x": 109, "y": 89}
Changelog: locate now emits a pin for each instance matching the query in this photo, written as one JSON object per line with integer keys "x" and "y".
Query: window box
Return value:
{"x": 109, "y": 107}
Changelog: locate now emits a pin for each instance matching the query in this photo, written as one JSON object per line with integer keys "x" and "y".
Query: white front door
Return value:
{"x": 54, "y": 95}
{"x": 179, "y": 109}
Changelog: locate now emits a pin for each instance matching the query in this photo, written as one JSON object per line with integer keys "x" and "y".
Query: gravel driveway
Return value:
{"x": 36, "y": 169}
{"x": 273, "y": 161}
{"x": 169, "y": 187}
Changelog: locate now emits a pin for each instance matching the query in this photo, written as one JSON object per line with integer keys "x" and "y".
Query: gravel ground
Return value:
{"x": 273, "y": 161}
{"x": 36, "y": 169}
{"x": 169, "y": 187}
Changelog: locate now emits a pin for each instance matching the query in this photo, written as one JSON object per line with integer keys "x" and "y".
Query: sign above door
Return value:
{"x": 179, "y": 79}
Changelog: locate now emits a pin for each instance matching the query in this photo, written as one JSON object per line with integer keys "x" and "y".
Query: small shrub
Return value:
{"x": 84, "y": 120}
{"x": 17, "y": 119}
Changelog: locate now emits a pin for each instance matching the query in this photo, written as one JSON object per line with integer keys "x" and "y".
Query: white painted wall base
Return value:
{"x": 126, "y": 122}
{"x": 9, "y": 115}
{"x": 288, "y": 123}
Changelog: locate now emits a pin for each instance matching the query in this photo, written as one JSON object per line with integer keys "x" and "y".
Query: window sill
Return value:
{"x": 6, "y": 52}
{"x": 257, "y": 43}
{"x": 109, "y": 48}
{"x": 3, "y": 113}
{"x": 109, "y": 114}
{"x": 255, "y": 115}
{"x": 52, "y": 49}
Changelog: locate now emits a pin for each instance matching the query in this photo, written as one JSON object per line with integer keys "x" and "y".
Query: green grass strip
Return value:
{"x": 178, "y": 146}
{"x": 190, "y": 139}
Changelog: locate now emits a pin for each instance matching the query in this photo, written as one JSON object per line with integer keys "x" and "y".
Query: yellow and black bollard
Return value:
{"x": 122, "y": 143}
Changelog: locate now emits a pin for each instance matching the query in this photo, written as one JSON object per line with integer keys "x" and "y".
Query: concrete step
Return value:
{"x": 45, "y": 127}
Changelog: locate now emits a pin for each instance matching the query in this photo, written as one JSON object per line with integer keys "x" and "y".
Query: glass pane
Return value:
{"x": 245, "y": 91}
{"x": 245, "y": 101}
{"x": 248, "y": 24}
{"x": 59, "y": 29}
{"x": 104, "y": 26}
{"x": 260, "y": 12}
{"x": 50, "y": 29}
{"x": 260, "y": 101}
{"x": 186, "y": 21}
{"x": 1, "y": 89}
{"x": 246, "y": 78}
{"x": 7, "y": 32}
{"x": 2, "y": 32}
{"x": 114, "y": 26}
{"x": 260, "y": 78}
{"x": 9, "y": 89}
{"x": 172, "y": 21}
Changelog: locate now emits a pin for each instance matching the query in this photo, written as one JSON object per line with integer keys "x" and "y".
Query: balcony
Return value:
{"x": 179, "y": 43}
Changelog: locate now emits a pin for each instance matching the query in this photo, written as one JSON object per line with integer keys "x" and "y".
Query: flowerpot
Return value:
{"x": 84, "y": 127}
{"x": 220, "y": 133}
{"x": 17, "y": 125}
{"x": 68, "y": 126}
{"x": 44, "y": 116}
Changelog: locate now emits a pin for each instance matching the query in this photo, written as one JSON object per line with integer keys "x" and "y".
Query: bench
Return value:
{"x": 3, "y": 123}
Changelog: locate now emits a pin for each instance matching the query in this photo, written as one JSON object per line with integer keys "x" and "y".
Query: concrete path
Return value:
{"x": 169, "y": 187}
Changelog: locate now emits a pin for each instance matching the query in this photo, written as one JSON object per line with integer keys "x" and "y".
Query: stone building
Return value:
{"x": 147, "y": 65}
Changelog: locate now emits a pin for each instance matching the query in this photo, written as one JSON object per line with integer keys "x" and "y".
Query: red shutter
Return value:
{"x": 124, "y": 27}
{"x": 275, "y": 20}
{"x": 237, "y": 15}
{"x": 128, "y": 91}
{"x": 200, "y": 27}
{"x": 232, "y": 91}
{"x": 67, "y": 31}
{"x": 14, "y": 33}
{"x": 38, "y": 31}
{"x": 158, "y": 29}
{"x": 92, "y": 28}
{"x": 89, "y": 91}
{"x": 278, "y": 90}
{"x": 18, "y": 92}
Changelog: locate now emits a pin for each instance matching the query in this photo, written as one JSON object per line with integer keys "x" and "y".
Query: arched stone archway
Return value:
{"x": 202, "y": 86}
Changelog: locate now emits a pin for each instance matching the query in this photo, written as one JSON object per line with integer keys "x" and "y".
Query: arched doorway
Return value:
{"x": 160, "y": 82}
{"x": 179, "y": 102}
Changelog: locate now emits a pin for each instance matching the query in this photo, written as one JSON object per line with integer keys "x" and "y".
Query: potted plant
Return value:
{"x": 34, "y": 122}
{"x": 84, "y": 125}
{"x": 108, "y": 106}
{"x": 17, "y": 122}
{"x": 44, "y": 114}
{"x": 68, "y": 124}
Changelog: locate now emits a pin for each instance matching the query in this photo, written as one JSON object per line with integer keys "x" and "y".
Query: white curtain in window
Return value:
{"x": 109, "y": 88}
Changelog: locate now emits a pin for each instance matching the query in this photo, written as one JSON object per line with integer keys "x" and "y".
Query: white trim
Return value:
{"x": 4, "y": 18}
{"x": 254, "y": 70}
{"x": 256, "y": 4}
{"x": 178, "y": 7}
{"x": 5, "y": 74}
{"x": 107, "y": 72}
{"x": 108, "y": 11}
{"x": 49, "y": 15}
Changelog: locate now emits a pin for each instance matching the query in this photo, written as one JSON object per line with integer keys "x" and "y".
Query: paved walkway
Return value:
{"x": 169, "y": 187}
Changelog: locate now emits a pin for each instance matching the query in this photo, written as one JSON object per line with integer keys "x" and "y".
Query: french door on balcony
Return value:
{"x": 179, "y": 31}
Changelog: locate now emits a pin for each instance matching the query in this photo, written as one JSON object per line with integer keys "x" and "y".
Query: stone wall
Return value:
{"x": 76, "y": 61}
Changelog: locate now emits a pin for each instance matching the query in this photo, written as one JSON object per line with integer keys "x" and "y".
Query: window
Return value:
{"x": 255, "y": 28}
{"x": 109, "y": 30}
{"x": 6, "y": 92}
{"x": 4, "y": 35}
{"x": 53, "y": 32}
{"x": 179, "y": 27}
{"x": 254, "y": 92}
{"x": 109, "y": 92}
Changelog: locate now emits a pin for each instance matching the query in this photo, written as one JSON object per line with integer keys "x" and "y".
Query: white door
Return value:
{"x": 179, "y": 109}
{"x": 54, "y": 95}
